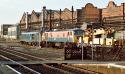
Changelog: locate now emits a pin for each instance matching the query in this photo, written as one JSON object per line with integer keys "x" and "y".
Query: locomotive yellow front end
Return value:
{"x": 78, "y": 36}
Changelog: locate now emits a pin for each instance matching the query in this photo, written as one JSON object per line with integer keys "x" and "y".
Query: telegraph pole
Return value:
{"x": 123, "y": 10}
{"x": 100, "y": 17}
{"x": 60, "y": 13}
{"x": 123, "y": 20}
{"x": 72, "y": 14}
{"x": 50, "y": 19}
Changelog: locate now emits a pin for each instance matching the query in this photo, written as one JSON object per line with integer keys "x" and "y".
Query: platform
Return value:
{"x": 66, "y": 61}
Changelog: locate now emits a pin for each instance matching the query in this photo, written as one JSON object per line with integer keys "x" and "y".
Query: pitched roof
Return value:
{"x": 38, "y": 14}
{"x": 111, "y": 4}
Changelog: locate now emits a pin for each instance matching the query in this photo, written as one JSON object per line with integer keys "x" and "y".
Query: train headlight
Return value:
{"x": 114, "y": 39}
{"x": 90, "y": 42}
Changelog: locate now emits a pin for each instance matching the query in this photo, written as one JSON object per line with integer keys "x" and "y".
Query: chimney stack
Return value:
{"x": 26, "y": 20}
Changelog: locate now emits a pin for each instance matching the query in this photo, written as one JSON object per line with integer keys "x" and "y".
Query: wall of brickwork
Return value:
{"x": 89, "y": 13}
{"x": 113, "y": 10}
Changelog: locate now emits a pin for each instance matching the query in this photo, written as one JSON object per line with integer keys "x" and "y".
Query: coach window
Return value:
{"x": 46, "y": 36}
{"x": 33, "y": 36}
{"x": 70, "y": 33}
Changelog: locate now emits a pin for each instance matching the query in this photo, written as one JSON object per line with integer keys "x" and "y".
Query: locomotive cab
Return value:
{"x": 78, "y": 34}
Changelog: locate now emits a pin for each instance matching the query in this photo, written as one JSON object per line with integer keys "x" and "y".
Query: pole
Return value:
{"x": 72, "y": 14}
{"x": 123, "y": 10}
{"x": 50, "y": 21}
{"x": 122, "y": 40}
{"x": 92, "y": 52}
{"x": 40, "y": 39}
{"x": 92, "y": 41}
{"x": 82, "y": 52}
{"x": 100, "y": 17}
{"x": 123, "y": 20}
{"x": 60, "y": 17}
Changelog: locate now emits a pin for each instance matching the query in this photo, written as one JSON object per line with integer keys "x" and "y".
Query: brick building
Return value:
{"x": 112, "y": 15}
{"x": 57, "y": 19}
{"x": 30, "y": 22}
{"x": 112, "y": 10}
{"x": 52, "y": 19}
{"x": 89, "y": 13}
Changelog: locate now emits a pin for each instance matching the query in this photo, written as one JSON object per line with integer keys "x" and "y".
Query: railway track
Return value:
{"x": 45, "y": 68}
{"x": 52, "y": 69}
{"x": 73, "y": 70}
{"x": 14, "y": 56}
{"x": 20, "y": 66}
{"x": 18, "y": 55}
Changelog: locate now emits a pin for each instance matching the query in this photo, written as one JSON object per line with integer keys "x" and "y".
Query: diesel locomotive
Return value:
{"x": 55, "y": 38}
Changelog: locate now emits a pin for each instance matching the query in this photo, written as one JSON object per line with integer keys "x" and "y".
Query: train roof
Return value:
{"x": 64, "y": 30}
{"x": 29, "y": 32}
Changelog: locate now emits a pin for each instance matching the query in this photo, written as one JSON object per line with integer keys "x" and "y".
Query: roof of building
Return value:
{"x": 38, "y": 14}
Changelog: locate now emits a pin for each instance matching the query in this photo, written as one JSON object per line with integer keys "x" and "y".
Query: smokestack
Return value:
{"x": 26, "y": 20}
{"x": 42, "y": 18}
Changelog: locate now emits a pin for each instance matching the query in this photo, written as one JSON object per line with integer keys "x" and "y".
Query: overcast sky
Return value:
{"x": 11, "y": 11}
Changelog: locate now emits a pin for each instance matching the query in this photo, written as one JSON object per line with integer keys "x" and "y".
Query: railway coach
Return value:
{"x": 29, "y": 38}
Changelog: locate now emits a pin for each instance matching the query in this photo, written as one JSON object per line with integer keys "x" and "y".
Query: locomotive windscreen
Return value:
{"x": 78, "y": 32}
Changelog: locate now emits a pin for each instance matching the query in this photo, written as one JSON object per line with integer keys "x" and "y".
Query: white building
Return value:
{"x": 13, "y": 32}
